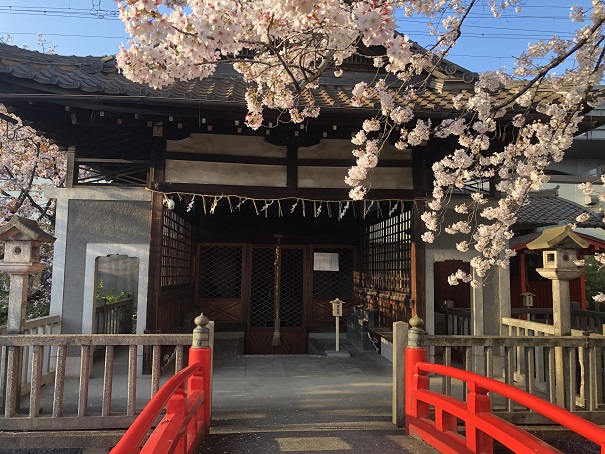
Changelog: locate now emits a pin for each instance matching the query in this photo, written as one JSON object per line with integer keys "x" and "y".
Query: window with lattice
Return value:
{"x": 387, "y": 253}
{"x": 176, "y": 250}
{"x": 220, "y": 275}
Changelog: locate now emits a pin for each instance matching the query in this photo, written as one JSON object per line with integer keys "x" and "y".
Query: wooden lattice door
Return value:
{"x": 261, "y": 307}
{"x": 220, "y": 285}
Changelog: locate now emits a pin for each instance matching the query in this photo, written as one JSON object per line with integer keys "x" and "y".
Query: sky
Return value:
{"x": 91, "y": 27}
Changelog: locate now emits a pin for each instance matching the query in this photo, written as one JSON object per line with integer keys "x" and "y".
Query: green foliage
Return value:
{"x": 111, "y": 296}
{"x": 595, "y": 280}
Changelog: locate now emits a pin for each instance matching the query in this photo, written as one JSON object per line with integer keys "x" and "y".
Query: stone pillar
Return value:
{"x": 478, "y": 324}
{"x": 561, "y": 307}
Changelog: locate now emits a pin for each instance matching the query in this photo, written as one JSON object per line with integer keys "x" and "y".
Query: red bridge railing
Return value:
{"x": 481, "y": 426}
{"x": 186, "y": 397}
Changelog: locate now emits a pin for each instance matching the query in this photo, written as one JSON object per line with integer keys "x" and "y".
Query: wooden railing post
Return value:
{"x": 414, "y": 353}
{"x": 201, "y": 352}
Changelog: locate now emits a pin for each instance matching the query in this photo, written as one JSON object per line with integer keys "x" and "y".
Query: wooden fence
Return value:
{"x": 104, "y": 394}
{"x": 458, "y": 321}
{"x": 115, "y": 318}
{"x": 37, "y": 326}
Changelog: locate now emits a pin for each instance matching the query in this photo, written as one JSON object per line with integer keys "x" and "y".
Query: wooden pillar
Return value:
{"x": 418, "y": 247}
{"x": 418, "y": 266}
{"x": 292, "y": 163}
{"x": 155, "y": 236}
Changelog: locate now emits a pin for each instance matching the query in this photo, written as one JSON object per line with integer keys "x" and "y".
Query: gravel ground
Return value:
{"x": 563, "y": 444}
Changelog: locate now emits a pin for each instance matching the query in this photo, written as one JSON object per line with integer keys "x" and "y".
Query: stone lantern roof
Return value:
{"x": 561, "y": 237}
{"x": 24, "y": 229}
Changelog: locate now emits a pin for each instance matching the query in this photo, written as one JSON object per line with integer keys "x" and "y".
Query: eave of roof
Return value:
{"x": 519, "y": 243}
{"x": 57, "y": 75}
{"x": 549, "y": 209}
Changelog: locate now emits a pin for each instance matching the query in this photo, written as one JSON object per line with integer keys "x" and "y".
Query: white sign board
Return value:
{"x": 325, "y": 261}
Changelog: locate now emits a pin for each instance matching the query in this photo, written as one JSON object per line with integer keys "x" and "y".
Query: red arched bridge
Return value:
{"x": 447, "y": 424}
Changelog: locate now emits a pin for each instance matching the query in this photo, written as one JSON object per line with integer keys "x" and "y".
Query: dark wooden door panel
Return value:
{"x": 322, "y": 312}
{"x": 460, "y": 294}
{"x": 222, "y": 310}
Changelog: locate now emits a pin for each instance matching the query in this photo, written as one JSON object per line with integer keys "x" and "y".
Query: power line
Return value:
{"x": 65, "y": 35}
{"x": 75, "y": 13}
{"x": 413, "y": 34}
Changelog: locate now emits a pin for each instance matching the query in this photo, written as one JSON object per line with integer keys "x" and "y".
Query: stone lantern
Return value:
{"x": 559, "y": 251}
{"x": 22, "y": 238}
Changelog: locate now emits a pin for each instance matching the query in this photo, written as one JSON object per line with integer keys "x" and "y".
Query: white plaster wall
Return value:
{"x": 219, "y": 144}
{"x": 225, "y": 173}
{"x": 342, "y": 149}
{"x": 333, "y": 177}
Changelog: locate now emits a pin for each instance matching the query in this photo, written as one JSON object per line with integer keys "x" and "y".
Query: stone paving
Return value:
{"x": 303, "y": 404}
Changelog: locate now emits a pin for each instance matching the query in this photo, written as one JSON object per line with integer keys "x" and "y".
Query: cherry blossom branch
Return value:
{"x": 552, "y": 65}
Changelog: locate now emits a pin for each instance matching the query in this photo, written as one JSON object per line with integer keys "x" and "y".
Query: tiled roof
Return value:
{"x": 544, "y": 210}
{"x": 99, "y": 76}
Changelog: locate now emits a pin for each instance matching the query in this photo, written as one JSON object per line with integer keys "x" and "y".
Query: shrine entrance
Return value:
{"x": 277, "y": 291}
{"x": 249, "y": 287}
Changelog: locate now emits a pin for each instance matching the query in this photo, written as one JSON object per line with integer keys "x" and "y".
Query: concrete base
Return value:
{"x": 340, "y": 354}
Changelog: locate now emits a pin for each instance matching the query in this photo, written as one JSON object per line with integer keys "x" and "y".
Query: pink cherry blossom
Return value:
{"x": 283, "y": 49}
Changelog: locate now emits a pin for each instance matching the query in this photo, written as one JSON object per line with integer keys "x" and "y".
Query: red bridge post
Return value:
{"x": 200, "y": 352}
{"x": 477, "y": 401}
